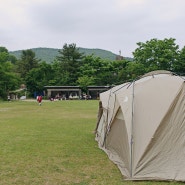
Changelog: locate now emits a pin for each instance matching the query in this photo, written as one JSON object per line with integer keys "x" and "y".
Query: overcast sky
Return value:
{"x": 112, "y": 25}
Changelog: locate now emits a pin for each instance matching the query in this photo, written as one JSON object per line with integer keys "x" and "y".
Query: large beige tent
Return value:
{"x": 141, "y": 127}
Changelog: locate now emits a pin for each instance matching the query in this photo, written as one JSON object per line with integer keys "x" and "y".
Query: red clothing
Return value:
{"x": 39, "y": 99}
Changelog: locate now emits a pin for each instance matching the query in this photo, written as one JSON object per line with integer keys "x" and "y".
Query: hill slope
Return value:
{"x": 49, "y": 54}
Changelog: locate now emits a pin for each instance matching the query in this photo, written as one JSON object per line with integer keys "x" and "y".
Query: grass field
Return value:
{"x": 54, "y": 144}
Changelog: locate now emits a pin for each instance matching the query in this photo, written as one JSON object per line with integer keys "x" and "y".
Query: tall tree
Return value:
{"x": 131, "y": 71}
{"x": 157, "y": 54}
{"x": 102, "y": 72}
{"x": 179, "y": 66}
{"x": 3, "y": 55}
{"x": 9, "y": 80}
{"x": 39, "y": 77}
{"x": 27, "y": 62}
{"x": 70, "y": 59}
{"x": 85, "y": 81}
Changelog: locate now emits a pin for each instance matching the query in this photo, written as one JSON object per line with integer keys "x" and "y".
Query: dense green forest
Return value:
{"x": 71, "y": 66}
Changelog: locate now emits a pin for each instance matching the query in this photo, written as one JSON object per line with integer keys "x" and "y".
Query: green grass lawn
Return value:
{"x": 54, "y": 144}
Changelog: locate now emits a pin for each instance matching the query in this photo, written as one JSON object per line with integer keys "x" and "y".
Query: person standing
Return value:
{"x": 39, "y": 99}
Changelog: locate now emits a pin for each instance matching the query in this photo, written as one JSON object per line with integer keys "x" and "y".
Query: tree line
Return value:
{"x": 71, "y": 67}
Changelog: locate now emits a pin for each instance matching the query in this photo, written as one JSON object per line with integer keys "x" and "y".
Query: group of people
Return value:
{"x": 39, "y": 98}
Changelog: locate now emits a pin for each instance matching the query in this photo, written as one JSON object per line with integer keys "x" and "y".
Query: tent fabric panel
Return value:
{"x": 106, "y": 119}
{"x": 110, "y": 107}
{"x": 101, "y": 129}
{"x": 152, "y": 100}
{"x": 164, "y": 156}
{"x": 104, "y": 96}
{"x": 117, "y": 144}
{"x": 125, "y": 98}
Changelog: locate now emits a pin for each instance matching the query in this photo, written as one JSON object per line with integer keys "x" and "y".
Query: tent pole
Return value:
{"x": 123, "y": 86}
{"x": 132, "y": 138}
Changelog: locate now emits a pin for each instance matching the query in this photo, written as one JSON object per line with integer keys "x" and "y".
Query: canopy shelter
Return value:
{"x": 66, "y": 92}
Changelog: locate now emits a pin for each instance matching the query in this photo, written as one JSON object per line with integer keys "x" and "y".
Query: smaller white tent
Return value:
{"x": 141, "y": 127}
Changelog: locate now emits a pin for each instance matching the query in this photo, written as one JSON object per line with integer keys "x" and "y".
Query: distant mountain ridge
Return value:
{"x": 49, "y": 54}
